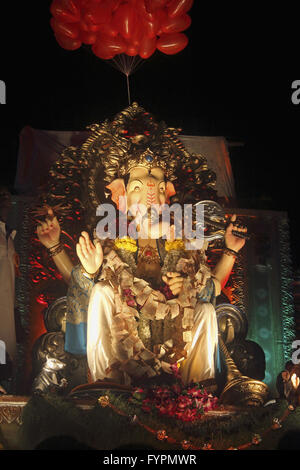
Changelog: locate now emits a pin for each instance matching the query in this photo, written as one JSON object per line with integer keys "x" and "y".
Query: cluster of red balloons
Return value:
{"x": 131, "y": 27}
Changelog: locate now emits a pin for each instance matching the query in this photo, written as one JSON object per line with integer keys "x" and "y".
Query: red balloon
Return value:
{"x": 178, "y": 7}
{"x": 137, "y": 35}
{"x": 147, "y": 47}
{"x": 177, "y": 24}
{"x": 107, "y": 47}
{"x": 98, "y": 13}
{"x": 151, "y": 27}
{"x": 84, "y": 26}
{"x": 93, "y": 28}
{"x": 172, "y": 43}
{"x": 132, "y": 50}
{"x": 162, "y": 16}
{"x": 108, "y": 29}
{"x": 70, "y": 30}
{"x": 114, "y": 4}
{"x": 67, "y": 43}
{"x": 83, "y": 3}
{"x": 88, "y": 37}
{"x": 142, "y": 12}
{"x": 65, "y": 11}
{"x": 124, "y": 19}
{"x": 153, "y": 5}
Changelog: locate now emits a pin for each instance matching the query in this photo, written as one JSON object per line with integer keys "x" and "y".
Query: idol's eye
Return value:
{"x": 135, "y": 186}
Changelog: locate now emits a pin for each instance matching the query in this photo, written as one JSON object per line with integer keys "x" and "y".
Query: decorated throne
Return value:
{"x": 75, "y": 189}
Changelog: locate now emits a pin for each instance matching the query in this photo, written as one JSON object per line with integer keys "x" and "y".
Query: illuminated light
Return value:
{"x": 295, "y": 381}
{"x": 267, "y": 355}
{"x": 41, "y": 300}
{"x": 268, "y": 378}
{"x": 261, "y": 293}
{"x": 262, "y": 311}
{"x": 264, "y": 333}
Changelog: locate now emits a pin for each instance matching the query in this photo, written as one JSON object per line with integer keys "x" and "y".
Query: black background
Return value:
{"x": 233, "y": 79}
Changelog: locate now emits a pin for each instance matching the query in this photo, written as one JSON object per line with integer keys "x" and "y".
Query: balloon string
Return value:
{"x": 128, "y": 89}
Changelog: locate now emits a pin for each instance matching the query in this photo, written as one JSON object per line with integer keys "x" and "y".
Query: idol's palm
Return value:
{"x": 90, "y": 254}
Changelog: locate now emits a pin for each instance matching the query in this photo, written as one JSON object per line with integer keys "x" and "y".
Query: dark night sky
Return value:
{"x": 233, "y": 79}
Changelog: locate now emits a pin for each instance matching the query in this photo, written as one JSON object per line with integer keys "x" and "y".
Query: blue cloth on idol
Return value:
{"x": 78, "y": 296}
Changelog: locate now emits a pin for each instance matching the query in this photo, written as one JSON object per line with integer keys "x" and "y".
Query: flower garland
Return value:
{"x": 126, "y": 243}
{"x": 162, "y": 434}
{"x": 186, "y": 404}
{"x": 174, "y": 245}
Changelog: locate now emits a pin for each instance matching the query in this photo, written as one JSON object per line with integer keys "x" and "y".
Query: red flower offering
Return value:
{"x": 187, "y": 403}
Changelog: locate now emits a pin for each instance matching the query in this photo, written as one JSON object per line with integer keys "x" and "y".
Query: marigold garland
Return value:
{"x": 177, "y": 245}
{"x": 130, "y": 244}
{"x": 126, "y": 243}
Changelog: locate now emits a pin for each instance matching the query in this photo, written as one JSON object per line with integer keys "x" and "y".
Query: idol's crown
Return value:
{"x": 147, "y": 159}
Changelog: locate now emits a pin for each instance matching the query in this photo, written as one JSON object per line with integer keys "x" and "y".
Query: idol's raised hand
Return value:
{"x": 48, "y": 231}
{"x": 232, "y": 241}
{"x": 89, "y": 253}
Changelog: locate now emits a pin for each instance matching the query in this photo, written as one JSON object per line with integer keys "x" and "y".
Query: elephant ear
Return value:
{"x": 118, "y": 194}
{"x": 170, "y": 191}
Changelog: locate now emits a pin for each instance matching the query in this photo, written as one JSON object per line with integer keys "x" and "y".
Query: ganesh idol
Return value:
{"x": 142, "y": 301}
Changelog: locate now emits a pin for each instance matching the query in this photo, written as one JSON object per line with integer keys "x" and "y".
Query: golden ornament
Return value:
{"x": 103, "y": 401}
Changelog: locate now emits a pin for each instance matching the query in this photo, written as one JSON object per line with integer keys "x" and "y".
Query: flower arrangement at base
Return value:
{"x": 187, "y": 403}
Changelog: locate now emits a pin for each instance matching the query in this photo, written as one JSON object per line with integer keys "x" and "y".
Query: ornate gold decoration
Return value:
{"x": 55, "y": 315}
{"x": 232, "y": 322}
{"x": 186, "y": 444}
{"x": 276, "y": 424}
{"x": 78, "y": 179}
{"x": 104, "y": 401}
{"x": 11, "y": 408}
{"x": 241, "y": 390}
{"x": 148, "y": 255}
{"x": 10, "y": 414}
{"x": 129, "y": 139}
{"x": 256, "y": 439}
{"x": 161, "y": 435}
{"x": 146, "y": 159}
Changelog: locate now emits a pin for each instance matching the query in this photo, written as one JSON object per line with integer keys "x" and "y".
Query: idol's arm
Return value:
{"x": 222, "y": 271}
{"x": 64, "y": 265}
{"x": 233, "y": 245}
{"x": 48, "y": 232}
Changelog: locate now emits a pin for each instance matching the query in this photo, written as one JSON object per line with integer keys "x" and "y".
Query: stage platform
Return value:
{"x": 33, "y": 422}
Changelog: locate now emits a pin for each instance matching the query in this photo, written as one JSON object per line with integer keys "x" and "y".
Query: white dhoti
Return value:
{"x": 103, "y": 350}
{"x": 100, "y": 351}
{"x": 201, "y": 354}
